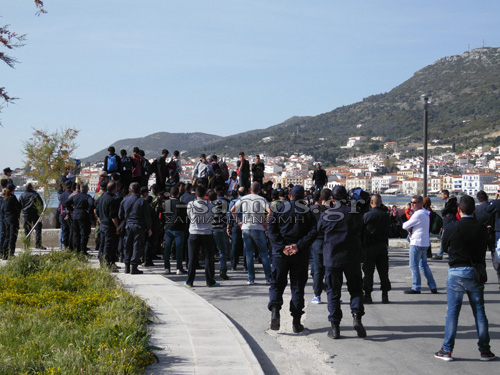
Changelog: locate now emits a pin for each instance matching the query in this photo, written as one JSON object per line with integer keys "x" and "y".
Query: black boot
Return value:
{"x": 275, "y": 319}
{"x": 223, "y": 275}
{"x": 367, "y": 299}
{"x": 135, "y": 270}
{"x": 296, "y": 326}
{"x": 385, "y": 297}
{"x": 334, "y": 333}
{"x": 358, "y": 326}
{"x": 127, "y": 267}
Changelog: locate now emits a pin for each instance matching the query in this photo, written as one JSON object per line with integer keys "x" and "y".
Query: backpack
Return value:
{"x": 259, "y": 173}
{"x": 172, "y": 166}
{"x": 224, "y": 170}
{"x": 146, "y": 168}
{"x": 216, "y": 167}
{"x": 436, "y": 223}
{"x": 126, "y": 165}
{"x": 112, "y": 164}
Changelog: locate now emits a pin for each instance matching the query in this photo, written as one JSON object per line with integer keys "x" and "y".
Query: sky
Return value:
{"x": 118, "y": 69}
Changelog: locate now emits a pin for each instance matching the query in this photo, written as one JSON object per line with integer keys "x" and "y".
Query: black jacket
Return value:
{"x": 107, "y": 208}
{"x": 320, "y": 177}
{"x": 465, "y": 241}
{"x": 342, "y": 230}
{"x": 83, "y": 206}
{"x": 376, "y": 226}
{"x": 175, "y": 215}
{"x": 11, "y": 209}
{"x": 292, "y": 223}
{"x": 31, "y": 201}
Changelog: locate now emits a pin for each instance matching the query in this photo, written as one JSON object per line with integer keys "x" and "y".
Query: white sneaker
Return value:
{"x": 167, "y": 271}
{"x": 181, "y": 272}
{"x": 316, "y": 299}
{"x": 250, "y": 282}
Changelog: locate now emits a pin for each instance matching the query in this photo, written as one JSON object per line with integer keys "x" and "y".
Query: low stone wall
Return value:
{"x": 51, "y": 238}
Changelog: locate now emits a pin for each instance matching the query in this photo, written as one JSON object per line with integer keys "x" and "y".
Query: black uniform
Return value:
{"x": 83, "y": 208}
{"x": 31, "y": 203}
{"x": 376, "y": 224}
{"x": 341, "y": 229}
{"x": 107, "y": 207}
{"x": 65, "y": 218}
{"x": 135, "y": 211}
{"x": 11, "y": 211}
{"x": 292, "y": 223}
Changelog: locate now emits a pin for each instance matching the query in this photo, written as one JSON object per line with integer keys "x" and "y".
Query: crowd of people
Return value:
{"x": 287, "y": 229}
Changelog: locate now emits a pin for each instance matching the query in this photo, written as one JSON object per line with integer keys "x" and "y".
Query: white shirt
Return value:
{"x": 419, "y": 223}
{"x": 253, "y": 208}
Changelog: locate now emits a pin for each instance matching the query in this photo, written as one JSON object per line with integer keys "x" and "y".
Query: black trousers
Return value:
{"x": 236, "y": 246}
{"x": 134, "y": 244}
{"x": 81, "y": 234}
{"x": 376, "y": 256}
{"x": 297, "y": 266}
{"x": 109, "y": 243}
{"x": 10, "y": 232}
{"x": 334, "y": 279}
{"x": 29, "y": 221}
{"x": 197, "y": 242}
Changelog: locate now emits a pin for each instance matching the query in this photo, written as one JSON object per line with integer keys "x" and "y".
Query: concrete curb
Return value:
{"x": 196, "y": 336}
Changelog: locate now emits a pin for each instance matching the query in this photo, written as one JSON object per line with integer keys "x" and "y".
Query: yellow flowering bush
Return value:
{"x": 58, "y": 315}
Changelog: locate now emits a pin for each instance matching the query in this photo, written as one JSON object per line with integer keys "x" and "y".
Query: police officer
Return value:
{"x": 11, "y": 211}
{"x": 107, "y": 207}
{"x": 32, "y": 203}
{"x": 83, "y": 208}
{"x": 292, "y": 230}
{"x": 341, "y": 228}
{"x": 64, "y": 218}
{"x": 376, "y": 224}
{"x": 135, "y": 212}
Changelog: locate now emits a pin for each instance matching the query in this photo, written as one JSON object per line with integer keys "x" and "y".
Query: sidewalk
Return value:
{"x": 195, "y": 336}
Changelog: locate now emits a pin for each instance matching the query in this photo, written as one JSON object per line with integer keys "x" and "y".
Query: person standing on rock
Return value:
{"x": 292, "y": 230}
{"x": 341, "y": 229}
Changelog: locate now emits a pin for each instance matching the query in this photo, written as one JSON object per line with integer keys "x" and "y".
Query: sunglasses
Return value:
{"x": 413, "y": 202}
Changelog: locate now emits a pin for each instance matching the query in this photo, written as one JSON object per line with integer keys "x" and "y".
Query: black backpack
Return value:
{"x": 126, "y": 165}
{"x": 172, "y": 166}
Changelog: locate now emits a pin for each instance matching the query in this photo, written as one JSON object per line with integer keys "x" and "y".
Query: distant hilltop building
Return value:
{"x": 354, "y": 141}
{"x": 267, "y": 139}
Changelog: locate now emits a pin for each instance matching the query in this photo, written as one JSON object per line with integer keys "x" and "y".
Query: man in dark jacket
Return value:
{"x": 292, "y": 230}
{"x": 135, "y": 212}
{"x": 320, "y": 179}
{"x": 449, "y": 214}
{"x": 83, "y": 209}
{"x": 65, "y": 218}
{"x": 341, "y": 228}
{"x": 32, "y": 205}
{"x": 258, "y": 170}
{"x": 465, "y": 241}
{"x": 376, "y": 225}
{"x": 107, "y": 212}
{"x": 160, "y": 169}
{"x": 11, "y": 211}
{"x": 176, "y": 223}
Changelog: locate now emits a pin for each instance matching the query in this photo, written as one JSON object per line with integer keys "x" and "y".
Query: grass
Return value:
{"x": 60, "y": 316}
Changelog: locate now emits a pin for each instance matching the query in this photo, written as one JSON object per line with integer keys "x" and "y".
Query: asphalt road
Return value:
{"x": 402, "y": 336}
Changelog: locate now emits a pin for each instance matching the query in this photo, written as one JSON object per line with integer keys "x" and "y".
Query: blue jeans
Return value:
{"x": 254, "y": 239}
{"x": 220, "y": 243}
{"x": 418, "y": 258}
{"x": 461, "y": 281}
{"x": 171, "y": 236}
{"x": 319, "y": 268}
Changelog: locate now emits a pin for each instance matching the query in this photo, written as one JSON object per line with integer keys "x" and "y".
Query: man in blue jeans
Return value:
{"x": 176, "y": 223}
{"x": 466, "y": 243}
{"x": 418, "y": 227}
{"x": 254, "y": 211}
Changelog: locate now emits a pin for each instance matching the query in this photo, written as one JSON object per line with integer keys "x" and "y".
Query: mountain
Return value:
{"x": 465, "y": 112}
{"x": 154, "y": 143}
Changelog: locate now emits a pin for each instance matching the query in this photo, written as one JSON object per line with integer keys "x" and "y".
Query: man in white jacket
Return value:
{"x": 418, "y": 226}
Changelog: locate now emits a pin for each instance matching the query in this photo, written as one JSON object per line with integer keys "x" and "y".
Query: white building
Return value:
{"x": 413, "y": 186}
{"x": 473, "y": 182}
{"x": 272, "y": 168}
{"x": 492, "y": 187}
{"x": 364, "y": 183}
{"x": 381, "y": 183}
